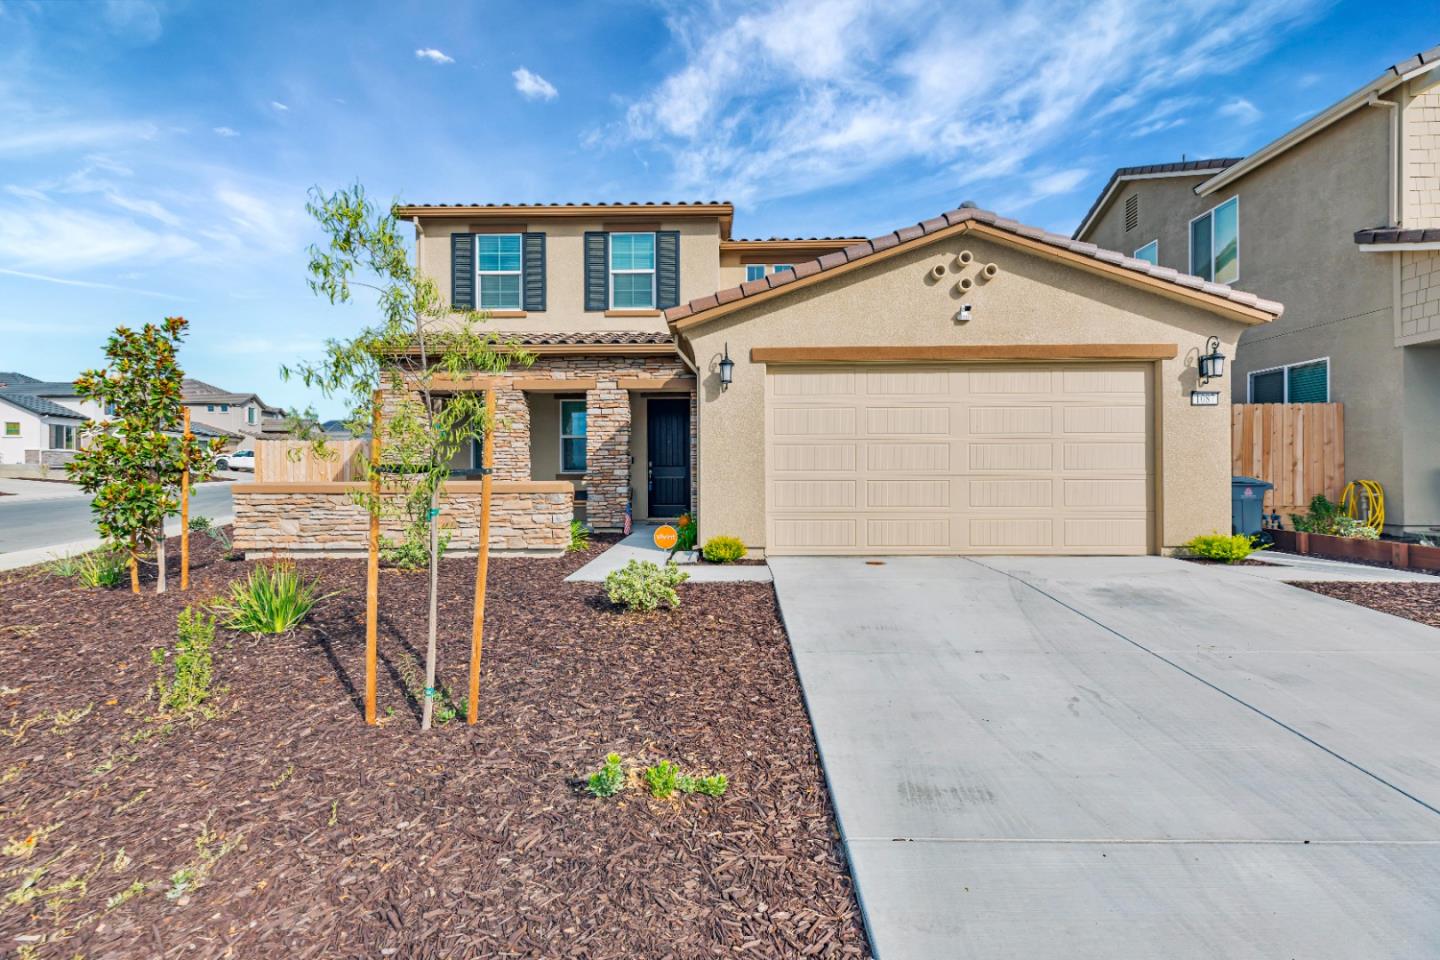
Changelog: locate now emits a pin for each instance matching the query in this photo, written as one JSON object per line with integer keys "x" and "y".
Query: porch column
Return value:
{"x": 607, "y": 454}
{"x": 512, "y": 434}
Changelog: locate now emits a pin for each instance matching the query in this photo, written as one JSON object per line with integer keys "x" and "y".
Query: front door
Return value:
{"x": 668, "y": 448}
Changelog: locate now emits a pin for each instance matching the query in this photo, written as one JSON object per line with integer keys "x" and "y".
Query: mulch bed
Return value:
{"x": 308, "y": 834}
{"x": 1413, "y": 601}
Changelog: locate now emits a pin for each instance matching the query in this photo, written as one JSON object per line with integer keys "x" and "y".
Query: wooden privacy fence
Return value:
{"x": 295, "y": 461}
{"x": 1299, "y": 447}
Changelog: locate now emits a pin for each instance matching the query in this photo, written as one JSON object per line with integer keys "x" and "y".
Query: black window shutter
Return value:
{"x": 462, "y": 271}
{"x": 597, "y": 270}
{"x": 534, "y": 276}
{"x": 667, "y": 269}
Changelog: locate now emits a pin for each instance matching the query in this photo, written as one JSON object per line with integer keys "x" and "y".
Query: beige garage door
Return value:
{"x": 966, "y": 458}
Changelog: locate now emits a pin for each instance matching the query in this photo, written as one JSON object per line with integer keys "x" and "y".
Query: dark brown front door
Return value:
{"x": 669, "y": 451}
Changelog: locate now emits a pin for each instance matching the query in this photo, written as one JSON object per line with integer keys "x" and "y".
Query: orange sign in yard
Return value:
{"x": 666, "y": 537}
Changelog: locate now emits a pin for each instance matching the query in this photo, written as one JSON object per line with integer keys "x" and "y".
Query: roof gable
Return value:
{"x": 1149, "y": 171}
{"x": 1216, "y": 297}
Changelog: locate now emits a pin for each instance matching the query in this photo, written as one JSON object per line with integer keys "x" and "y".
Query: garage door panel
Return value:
{"x": 813, "y": 457}
{"x": 967, "y": 458}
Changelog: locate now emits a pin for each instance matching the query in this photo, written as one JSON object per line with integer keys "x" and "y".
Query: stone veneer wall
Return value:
{"x": 1419, "y": 295}
{"x": 319, "y": 519}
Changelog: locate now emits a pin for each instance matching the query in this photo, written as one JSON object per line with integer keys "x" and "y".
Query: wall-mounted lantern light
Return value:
{"x": 1212, "y": 362}
{"x": 727, "y": 369}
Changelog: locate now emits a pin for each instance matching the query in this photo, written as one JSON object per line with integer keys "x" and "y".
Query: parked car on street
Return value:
{"x": 239, "y": 460}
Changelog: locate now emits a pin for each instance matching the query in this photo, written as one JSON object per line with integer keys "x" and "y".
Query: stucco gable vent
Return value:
{"x": 1132, "y": 212}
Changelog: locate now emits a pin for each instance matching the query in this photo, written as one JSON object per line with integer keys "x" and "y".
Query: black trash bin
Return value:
{"x": 1247, "y": 504}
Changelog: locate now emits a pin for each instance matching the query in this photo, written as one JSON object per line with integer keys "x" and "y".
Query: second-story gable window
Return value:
{"x": 1215, "y": 243}
{"x": 632, "y": 271}
{"x": 498, "y": 270}
{"x": 1150, "y": 252}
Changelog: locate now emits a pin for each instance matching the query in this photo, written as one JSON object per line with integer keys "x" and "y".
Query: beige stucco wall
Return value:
{"x": 565, "y": 270}
{"x": 1033, "y": 300}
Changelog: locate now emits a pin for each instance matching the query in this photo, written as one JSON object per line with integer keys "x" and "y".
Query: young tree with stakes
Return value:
{"x": 133, "y": 460}
{"x": 393, "y": 373}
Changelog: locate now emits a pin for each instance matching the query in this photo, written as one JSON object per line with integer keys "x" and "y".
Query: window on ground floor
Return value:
{"x": 62, "y": 437}
{"x": 12, "y": 428}
{"x": 572, "y": 436}
{"x": 1307, "y": 382}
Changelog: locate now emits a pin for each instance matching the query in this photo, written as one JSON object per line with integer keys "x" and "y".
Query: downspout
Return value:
{"x": 419, "y": 247}
{"x": 1394, "y": 179}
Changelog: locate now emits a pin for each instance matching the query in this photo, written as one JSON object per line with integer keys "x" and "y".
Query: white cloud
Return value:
{"x": 37, "y": 137}
{"x": 277, "y": 105}
{"x": 18, "y": 327}
{"x": 226, "y": 132}
{"x": 532, "y": 86}
{"x": 1240, "y": 110}
{"x": 58, "y": 239}
{"x": 798, "y": 95}
{"x": 433, "y": 55}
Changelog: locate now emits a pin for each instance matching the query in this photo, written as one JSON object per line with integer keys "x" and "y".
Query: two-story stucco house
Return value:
{"x": 242, "y": 416}
{"x": 41, "y": 423}
{"x": 966, "y": 384}
{"x": 1339, "y": 218}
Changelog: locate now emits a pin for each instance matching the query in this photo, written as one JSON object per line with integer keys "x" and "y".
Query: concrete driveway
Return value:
{"x": 1121, "y": 758}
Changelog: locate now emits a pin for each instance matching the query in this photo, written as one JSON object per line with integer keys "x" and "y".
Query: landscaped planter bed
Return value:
{"x": 347, "y": 841}
{"x": 1389, "y": 553}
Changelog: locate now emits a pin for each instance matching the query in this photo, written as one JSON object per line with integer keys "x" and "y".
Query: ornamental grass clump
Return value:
{"x": 642, "y": 586}
{"x": 273, "y": 599}
{"x": 1224, "y": 547}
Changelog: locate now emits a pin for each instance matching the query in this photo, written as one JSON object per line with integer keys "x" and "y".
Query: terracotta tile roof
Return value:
{"x": 587, "y": 205}
{"x": 1397, "y": 235}
{"x": 866, "y": 248}
{"x": 1178, "y": 169}
{"x": 593, "y": 338}
{"x": 793, "y": 239}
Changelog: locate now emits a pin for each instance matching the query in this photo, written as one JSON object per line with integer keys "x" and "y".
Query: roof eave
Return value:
{"x": 1113, "y": 187}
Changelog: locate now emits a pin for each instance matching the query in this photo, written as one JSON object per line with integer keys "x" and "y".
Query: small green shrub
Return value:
{"x": 1331, "y": 520}
{"x": 188, "y": 687}
{"x": 1225, "y": 547}
{"x": 208, "y": 527}
{"x": 713, "y": 785}
{"x": 273, "y": 599}
{"x": 98, "y": 568}
{"x": 609, "y": 779}
{"x": 200, "y": 524}
{"x": 723, "y": 549}
{"x": 579, "y": 537}
{"x": 642, "y": 585}
{"x": 1347, "y": 526}
{"x": 412, "y": 553}
{"x": 662, "y": 779}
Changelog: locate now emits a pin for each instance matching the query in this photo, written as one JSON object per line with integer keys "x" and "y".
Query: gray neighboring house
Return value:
{"x": 1339, "y": 218}
{"x": 243, "y": 415}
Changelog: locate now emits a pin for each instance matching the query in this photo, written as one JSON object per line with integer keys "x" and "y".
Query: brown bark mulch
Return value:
{"x": 1413, "y": 601}
{"x": 283, "y": 826}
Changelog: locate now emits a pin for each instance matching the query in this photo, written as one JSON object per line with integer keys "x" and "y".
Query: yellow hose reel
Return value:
{"x": 1373, "y": 496}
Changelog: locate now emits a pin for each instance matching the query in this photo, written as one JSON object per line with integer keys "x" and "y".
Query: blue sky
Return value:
{"x": 154, "y": 156}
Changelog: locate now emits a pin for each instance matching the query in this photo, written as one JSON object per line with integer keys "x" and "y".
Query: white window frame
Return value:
{"x": 15, "y": 424}
{"x": 1285, "y": 378}
{"x": 72, "y": 436}
{"x": 1153, "y": 243}
{"x": 1190, "y": 240}
{"x": 573, "y": 436}
{"x": 752, "y": 266}
{"x": 479, "y": 274}
{"x": 654, "y": 266}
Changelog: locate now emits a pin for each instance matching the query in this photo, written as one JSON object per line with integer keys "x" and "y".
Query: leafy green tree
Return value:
{"x": 132, "y": 460}
{"x": 403, "y": 366}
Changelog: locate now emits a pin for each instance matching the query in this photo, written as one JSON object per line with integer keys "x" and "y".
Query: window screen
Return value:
{"x": 1268, "y": 387}
{"x": 1309, "y": 383}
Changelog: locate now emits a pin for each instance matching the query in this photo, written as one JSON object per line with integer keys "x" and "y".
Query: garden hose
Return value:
{"x": 1374, "y": 496}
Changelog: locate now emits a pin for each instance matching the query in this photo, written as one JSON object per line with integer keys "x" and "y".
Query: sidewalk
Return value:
{"x": 640, "y": 545}
{"x": 38, "y": 489}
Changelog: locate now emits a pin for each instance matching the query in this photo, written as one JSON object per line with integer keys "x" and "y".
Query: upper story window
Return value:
{"x": 1215, "y": 243}
{"x": 249, "y": 414}
{"x": 632, "y": 271}
{"x": 1150, "y": 252}
{"x": 224, "y": 408}
{"x": 209, "y": 408}
{"x": 755, "y": 271}
{"x": 497, "y": 259}
{"x": 1307, "y": 382}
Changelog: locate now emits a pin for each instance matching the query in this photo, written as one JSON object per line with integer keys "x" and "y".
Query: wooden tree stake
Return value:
{"x": 482, "y": 567}
{"x": 372, "y": 572}
{"x": 185, "y": 508}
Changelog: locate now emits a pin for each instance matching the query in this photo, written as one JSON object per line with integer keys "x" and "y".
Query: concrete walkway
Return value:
{"x": 1118, "y": 758}
{"x": 640, "y": 545}
{"x": 1291, "y": 567}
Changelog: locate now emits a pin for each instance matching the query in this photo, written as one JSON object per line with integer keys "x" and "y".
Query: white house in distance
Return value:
{"x": 40, "y": 422}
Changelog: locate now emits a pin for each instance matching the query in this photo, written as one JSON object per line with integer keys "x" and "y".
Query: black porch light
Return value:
{"x": 1212, "y": 362}
{"x": 727, "y": 369}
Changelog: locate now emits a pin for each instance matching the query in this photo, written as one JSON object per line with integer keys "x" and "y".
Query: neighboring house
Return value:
{"x": 41, "y": 423}
{"x": 1340, "y": 219}
{"x": 241, "y": 414}
{"x": 963, "y": 385}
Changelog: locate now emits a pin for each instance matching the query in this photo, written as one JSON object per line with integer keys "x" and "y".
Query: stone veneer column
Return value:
{"x": 607, "y": 454}
{"x": 512, "y": 434}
